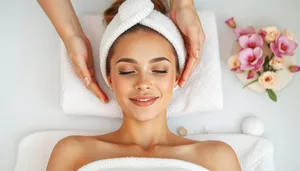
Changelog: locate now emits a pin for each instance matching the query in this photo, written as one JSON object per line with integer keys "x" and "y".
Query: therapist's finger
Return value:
{"x": 187, "y": 70}
{"x": 194, "y": 67}
{"x": 94, "y": 87}
{"x": 194, "y": 37}
{"x": 197, "y": 63}
{"x": 88, "y": 78}
{"x": 76, "y": 70}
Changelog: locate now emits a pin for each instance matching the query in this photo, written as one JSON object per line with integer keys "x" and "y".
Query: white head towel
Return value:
{"x": 133, "y": 12}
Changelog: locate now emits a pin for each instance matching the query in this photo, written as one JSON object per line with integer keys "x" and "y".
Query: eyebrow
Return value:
{"x": 130, "y": 60}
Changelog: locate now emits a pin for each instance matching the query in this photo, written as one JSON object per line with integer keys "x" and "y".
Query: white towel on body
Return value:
{"x": 141, "y": 164}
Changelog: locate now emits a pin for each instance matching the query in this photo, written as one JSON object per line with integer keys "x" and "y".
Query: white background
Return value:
{"x": 30, "y": 78}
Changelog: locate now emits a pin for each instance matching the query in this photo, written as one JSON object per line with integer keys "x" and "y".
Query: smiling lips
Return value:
{"x": 143, "y": 100}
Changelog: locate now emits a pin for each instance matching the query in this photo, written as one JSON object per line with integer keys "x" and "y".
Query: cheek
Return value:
{"x": 120, "y": 85}
{"x": 166, "y": 84}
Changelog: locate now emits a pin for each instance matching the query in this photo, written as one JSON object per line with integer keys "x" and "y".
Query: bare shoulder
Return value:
{"x": 217, "y": 156}
{"x": 68, "y": 149}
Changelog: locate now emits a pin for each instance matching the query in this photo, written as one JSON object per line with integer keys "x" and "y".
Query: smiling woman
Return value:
{"x": 142, "y": 69}
{"x": 140, "y": 76}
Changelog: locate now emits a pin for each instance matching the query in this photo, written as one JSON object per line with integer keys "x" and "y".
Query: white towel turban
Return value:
{"x": 133, "y": 12}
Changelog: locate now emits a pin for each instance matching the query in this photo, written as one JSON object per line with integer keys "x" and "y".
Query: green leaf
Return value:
{"x": 273, "y": 70}
{"x": 270, "y": 68}
{"x": 266, "y": 60}
{"x": 266, "y": 63}
{"x": 272, "y": 95}
{"x": 250, "y": 83}
{"x": 259, "y": 73}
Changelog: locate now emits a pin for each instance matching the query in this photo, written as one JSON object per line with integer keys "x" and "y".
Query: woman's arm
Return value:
{"x": 216, "y": 156}
{"x": 223, "y": 157}
{"x": 226, "y": 159}
{"x": 181, "y": 3}
{"x": 65, "y": 154}
{"x": 63, "y": 17}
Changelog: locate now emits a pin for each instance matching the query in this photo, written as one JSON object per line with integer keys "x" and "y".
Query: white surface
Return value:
{"x": 206, "y": 94}
{"x": 30, "y": 79}
{"x": 254, "y": 153}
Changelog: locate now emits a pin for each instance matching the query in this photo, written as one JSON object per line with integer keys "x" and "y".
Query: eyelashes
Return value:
{"x": 160, "y": 72}
{"x": 126, "y": 73}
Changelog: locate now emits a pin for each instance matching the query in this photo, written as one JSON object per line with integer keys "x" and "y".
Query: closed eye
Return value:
{"x": 156, "y": 71}
{"x": 160, "y": 71}
{"x": 126, "y": 73}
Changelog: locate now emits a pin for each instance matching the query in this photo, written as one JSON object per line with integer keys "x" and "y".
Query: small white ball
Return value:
{"x": 252, "y": 125}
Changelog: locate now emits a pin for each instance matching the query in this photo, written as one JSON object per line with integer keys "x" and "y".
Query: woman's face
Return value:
{"x": 143, "y": 74}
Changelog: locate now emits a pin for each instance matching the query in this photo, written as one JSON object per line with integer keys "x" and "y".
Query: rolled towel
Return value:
{"x": 141, "y": 164}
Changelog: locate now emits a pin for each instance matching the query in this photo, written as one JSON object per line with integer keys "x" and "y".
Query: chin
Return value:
{"x": 143, "y": 117}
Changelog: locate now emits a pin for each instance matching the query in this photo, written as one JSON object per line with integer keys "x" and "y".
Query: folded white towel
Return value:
{"x": 254, "y": 153}
{"x": 141, "y": 164}
{"x": 202, "y": 92}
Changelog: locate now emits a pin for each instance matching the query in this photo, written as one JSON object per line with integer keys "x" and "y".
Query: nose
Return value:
{"x": 143, "y": 83}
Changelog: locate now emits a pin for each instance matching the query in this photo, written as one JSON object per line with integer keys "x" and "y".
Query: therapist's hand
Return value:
{"x": 80, "y": 52}
{"x": 62, "y": 15}
{"x": 184, "y": 15}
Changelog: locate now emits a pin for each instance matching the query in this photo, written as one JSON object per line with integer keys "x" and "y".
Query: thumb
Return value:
{"x": 84, "y": 73}
{"x": 90, "y": 82}
{"x": 194, "y": 37}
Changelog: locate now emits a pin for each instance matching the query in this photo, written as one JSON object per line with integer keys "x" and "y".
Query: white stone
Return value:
{"x": 182, "y": 131}
{"x": 252, "y": 125}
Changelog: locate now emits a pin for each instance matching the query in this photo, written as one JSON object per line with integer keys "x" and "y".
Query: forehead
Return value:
{"x": 143, "y": 46}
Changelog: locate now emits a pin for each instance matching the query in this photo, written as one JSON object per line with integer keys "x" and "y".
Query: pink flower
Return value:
{"x": 236, "y": 70}
{"x": 252, "y": 41}
{"x": 231, "y": 23}
{"x": 294, "y": 68}
{"x": 251, "y": 59}
{"x": 262, "y": 33}
{"x": 283, "y": 46}
{"x": 250, "y": 74}
{"x": 240, "y": 31}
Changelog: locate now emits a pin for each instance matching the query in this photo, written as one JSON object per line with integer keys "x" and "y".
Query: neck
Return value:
{"x": 146, "y": 134}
